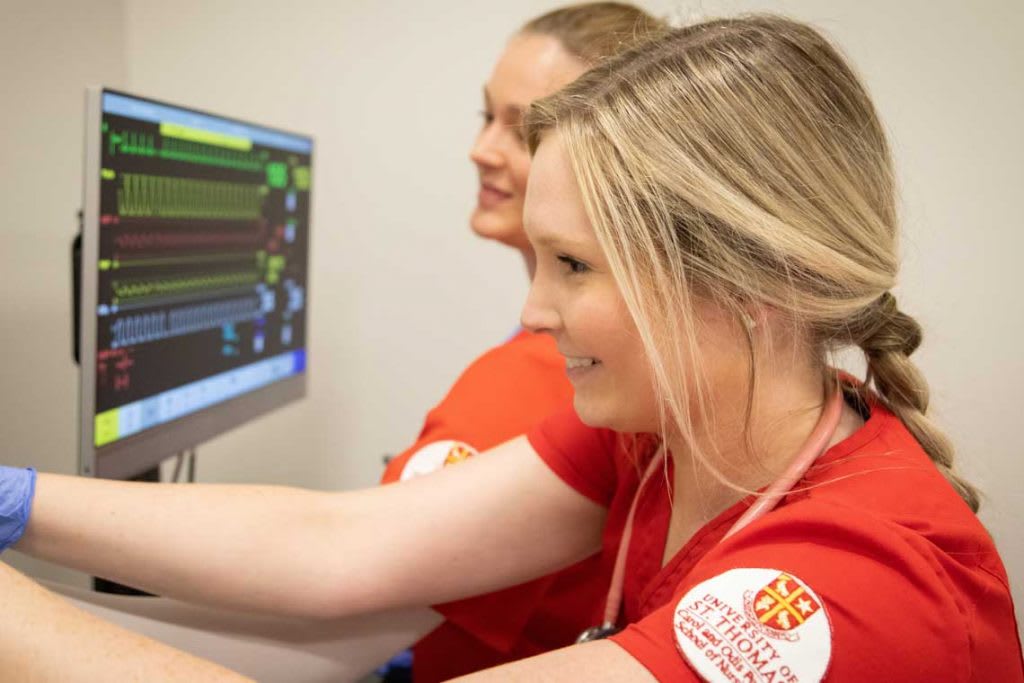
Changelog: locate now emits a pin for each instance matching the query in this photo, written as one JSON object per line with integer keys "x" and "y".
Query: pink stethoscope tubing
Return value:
{"x": 815, "y": 445}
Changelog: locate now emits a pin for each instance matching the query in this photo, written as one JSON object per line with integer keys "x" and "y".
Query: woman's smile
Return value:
{"x": 577, "y": 367}
{"x": 490, "y": 196}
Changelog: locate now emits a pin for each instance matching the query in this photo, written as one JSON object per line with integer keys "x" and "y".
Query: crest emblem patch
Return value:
{"x": 754, "y": 624}
{"x": 782, "y": 605}
{"x": 457, "y": 453}
{"x": 434, "y": 456}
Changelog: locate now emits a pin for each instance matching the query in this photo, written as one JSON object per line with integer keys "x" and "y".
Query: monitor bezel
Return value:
{"x": 140, "y": 452}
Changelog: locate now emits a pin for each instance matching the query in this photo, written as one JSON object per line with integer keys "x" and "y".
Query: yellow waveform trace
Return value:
{"x": 192, "y": 259}
{"x": 168, "y": 197}
{"x": 126, "y": 291}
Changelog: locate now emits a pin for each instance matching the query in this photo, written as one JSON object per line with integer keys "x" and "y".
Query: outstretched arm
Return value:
{"x": 601, "y": 661}
{"x": 312, "y": 554}
{"x": 269, "y": 649}
{"x": 43, "y": 638}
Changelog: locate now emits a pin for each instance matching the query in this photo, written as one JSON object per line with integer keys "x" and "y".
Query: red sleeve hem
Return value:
{"x": 564, "y": 467}
{"x": 647, "y": 652}
{"x": 507, "y": 612}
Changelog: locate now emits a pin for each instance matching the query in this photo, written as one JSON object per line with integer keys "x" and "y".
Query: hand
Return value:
{"x": 17, "y": 486}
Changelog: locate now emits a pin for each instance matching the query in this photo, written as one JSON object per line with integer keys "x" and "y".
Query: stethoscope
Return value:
{"x": 815, "y": 445}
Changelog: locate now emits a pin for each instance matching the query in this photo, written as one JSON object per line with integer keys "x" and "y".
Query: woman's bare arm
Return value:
{"x": 598, "y": 662}
{"x": 493, "y": 521}
{"x": 43, "y": 638}
{"x": 268, "y": 649}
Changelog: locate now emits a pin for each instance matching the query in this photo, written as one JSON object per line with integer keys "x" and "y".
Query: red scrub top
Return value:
{"x": 503, "y": 394}
{"x": 878, "y": 571}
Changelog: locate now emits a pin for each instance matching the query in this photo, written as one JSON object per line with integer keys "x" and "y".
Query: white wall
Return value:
{"x": 402, "y": 296}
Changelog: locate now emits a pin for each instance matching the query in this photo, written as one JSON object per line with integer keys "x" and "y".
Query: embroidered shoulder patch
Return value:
{"x": 754, "y": 625}
{"x": 434, "y": 456}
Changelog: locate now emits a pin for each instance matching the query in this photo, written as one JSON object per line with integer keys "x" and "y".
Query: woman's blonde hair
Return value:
{"x": 594, "y": 31}
{"x": 741, "y": 161}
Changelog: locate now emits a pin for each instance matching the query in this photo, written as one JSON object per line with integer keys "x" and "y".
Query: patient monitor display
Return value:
{"x": 194, "y": 278}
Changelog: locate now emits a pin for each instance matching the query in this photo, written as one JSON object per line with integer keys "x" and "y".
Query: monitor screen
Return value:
{"x": 194, "y": 277}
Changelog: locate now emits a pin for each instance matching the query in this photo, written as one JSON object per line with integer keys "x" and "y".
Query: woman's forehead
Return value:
{"x": 554, "y": 210}
{"x": 530, "y": 67}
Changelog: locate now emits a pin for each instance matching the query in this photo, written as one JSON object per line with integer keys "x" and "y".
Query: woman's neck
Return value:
{"x": 785, "y": 411}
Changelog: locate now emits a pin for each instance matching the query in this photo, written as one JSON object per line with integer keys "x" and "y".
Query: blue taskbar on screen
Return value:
{"x": 132, "y": 418}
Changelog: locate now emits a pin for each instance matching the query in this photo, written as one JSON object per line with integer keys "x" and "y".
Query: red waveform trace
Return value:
{"x": 145, "y": 241}
{"x": 113, "y": 368}
{"x": 137, "y": 242}
{"x": 109, "y": 219}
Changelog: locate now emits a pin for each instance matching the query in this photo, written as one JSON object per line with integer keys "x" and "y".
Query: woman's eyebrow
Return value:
{"x": 513, "y": 112}
{"x": 554, "y": 241}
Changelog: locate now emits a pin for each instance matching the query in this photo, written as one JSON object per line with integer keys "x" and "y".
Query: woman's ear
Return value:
{"x": 756, "y": 316}
{"x": 748, "y": 320}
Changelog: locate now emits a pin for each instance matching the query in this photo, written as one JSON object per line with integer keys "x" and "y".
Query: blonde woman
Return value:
{"x": 712, "y": 214}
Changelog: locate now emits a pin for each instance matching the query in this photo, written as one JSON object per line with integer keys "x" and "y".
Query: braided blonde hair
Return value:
{"x": 741, "y": 160}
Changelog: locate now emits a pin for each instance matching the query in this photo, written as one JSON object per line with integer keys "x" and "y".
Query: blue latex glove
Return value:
{"x": 17, "y": 486}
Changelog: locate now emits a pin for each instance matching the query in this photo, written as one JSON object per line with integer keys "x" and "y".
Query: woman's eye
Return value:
{"x": 575, "y": 267}
{"x": 487, "y": 116}
{"x": 520, "y": 134}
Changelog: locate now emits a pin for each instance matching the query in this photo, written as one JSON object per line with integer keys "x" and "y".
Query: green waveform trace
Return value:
{"x": 167, "y": 197}
{"x": 131, "y": 142}
{"x": 220, "y": 257}
{"x": 138, "y": 143}
{"x": 126, "y": 291}
{"x": 198, "y": 153}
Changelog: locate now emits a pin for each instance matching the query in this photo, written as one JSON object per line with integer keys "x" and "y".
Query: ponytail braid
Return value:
{"x": 888, "y": 337}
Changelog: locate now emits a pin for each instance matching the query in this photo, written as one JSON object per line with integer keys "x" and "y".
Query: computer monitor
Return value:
{"x": 193, "y": 291}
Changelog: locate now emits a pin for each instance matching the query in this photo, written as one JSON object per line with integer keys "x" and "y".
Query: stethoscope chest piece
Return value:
{"x": 597, "y": 633}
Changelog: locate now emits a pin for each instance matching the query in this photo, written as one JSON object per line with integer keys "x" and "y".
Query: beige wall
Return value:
{"x": 402, "y": 297}
{"x": 49, "y": 50}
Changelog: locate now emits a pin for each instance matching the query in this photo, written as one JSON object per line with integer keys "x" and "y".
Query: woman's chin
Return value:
{"x": 602, "y": 413}
{"x": 493, "y": 226}
{"x": 592, "y": 413}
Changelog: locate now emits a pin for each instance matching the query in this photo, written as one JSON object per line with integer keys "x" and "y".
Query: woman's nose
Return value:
{"x": 486, "y": 151}
{"x": 538, "y": 315}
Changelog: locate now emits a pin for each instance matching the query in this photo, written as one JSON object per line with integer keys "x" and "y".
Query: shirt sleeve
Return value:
{"x": 829, "y": 595}
{"x": 501, "y": 395}
{"x": 583, "y": 457}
